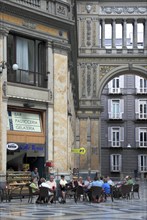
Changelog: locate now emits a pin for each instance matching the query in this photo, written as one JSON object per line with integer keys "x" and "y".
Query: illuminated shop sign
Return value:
{"x": 28, "y": 147}
{"x": 21, "y": 121}
{"x": 12, "y": 146}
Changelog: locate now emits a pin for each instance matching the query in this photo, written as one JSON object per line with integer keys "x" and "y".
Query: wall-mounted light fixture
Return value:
{"x": 4, "y": 64}
{"x": 129, "y": 146}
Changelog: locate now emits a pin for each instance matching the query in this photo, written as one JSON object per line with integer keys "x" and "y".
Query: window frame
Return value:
{"x": 36, "y": 76}
{"x": 116, "y": 158}
{"x": 142, "y": 158}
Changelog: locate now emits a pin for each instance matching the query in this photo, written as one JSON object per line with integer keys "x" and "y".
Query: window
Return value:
{"x": 115, "y": 108}
{"x": 141, "y": 85}
{"x": 141, "y": 109}
{"x": 115, "y": 85}
{"x": 141, "y": 137}
{"x": 115, "y": 162}
{"x": 115, "y": 136}
{"x": 29, "y": 54}
{"x": 142, "y": 163}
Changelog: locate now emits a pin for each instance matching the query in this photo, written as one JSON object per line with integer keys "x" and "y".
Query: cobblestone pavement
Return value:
{"x": 120, "y": 209}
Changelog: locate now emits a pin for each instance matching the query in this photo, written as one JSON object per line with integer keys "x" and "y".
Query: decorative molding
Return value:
{"x": 124, "y": 10}
{"x": 61, "y": 10}
{"x": 88, "y": 80}
{"x": 29, "y": 24}
{"x": 88, "y": 33}
{"x": 4, "y": 88}
{"x": 104, "y": 69}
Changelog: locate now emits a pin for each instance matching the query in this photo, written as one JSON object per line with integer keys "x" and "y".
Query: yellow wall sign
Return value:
{"x": 80, "y": 150}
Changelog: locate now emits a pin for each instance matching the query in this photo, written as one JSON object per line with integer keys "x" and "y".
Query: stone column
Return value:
{"x": 135, "y": 34}
{"x": 124, "y": 34}
{"x": 89, "y": 138}
{"x": 83, "y": 143}
{"x": 103, "y": 33}
{"x": 50, "y": 114}
{"x": 113, "y": 33}
{"x": 95, "y": 32}
{"x": 60, "y": 130}
{"x": 81, "y": 31}
{"x": 3, "y": 103}
{"x": 145, "y": 34}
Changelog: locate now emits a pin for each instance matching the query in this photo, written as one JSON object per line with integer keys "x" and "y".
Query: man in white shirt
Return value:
{"x": 52, "y": 186}
{"x": 62, "y": 184}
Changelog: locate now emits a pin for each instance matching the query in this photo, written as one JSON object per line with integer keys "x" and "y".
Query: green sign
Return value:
{"x": 80, "y": 150}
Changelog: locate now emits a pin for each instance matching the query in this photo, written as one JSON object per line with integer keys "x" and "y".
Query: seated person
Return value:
{"x": 62, "y": 184}
{"x": 34, "y": 185}
{"x": 106, "y": 187}
{"x": 52, "y": 188}
{"x": 129, "y": 180}
{"x": 73, "y": 184}
{"x": 80, "y": 182}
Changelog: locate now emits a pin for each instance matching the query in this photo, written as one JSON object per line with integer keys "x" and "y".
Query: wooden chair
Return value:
{"x": 135, "y": 189}
{"x": 78, "y": 193}
{"x": 97, "y": 193}
{"x": 126, "y": 191}
{"x": 43, "y": 195}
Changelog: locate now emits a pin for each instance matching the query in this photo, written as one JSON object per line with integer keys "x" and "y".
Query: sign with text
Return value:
{"x": 21, "y": 121}
{"x": 80, "y": 150}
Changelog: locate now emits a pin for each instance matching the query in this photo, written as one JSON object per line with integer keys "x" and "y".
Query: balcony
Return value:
{"x": 115, "y": 91}
{"x": 141, "y": 91}
{"x": 141, "y": 144}
{"x": 141, "y": 116}
{"x": 28, "y": 77}
{"x": 58, "y": 8}
{"x": 115, "y": 116}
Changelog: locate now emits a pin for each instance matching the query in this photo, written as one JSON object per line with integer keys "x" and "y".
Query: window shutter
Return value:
{"x": 137, "y": 82}
{"x": 137, "y": 134}
{"x": 122, "y": 134}
{"x": 136, "y": 106}
{"x": 121, "y": 81}
{"x": 109, "y": 105}
{"x": 111, "y": 162}
{"x": 109, "y": 134}
{"x": 120, "y": 163}
{"x": 139, "y": 163}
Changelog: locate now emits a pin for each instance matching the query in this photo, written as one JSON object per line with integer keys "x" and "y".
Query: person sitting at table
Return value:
{"x": 34, "y": 185}
{"x": 109, "y": 181}
{"x": 106, "y": 188}
{"x": 80, "y": 182}
{"x": 52, "y": 186}
{"x": 62, "y": 185}
{"x": 129, "y": 180}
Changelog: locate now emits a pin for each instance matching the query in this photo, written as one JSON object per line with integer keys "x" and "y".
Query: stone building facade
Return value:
{"x": 64, "y": 63}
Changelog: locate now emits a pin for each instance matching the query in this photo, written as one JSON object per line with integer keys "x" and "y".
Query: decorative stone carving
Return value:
{"x": 88, "y": 79}
{"x": 83, "y": 80}
{"x": 88, "y": 8}
{"x": 124, "y": 10}
{"x": 88, "y": 33}
{"x": 94, "y": 79}
{"x": 104, "y": 69}
{"x": 61, "y": 10}
{"x": 82, "y": 32}
{"x": 4, "y": 88}
{"x": 29, "y": 24}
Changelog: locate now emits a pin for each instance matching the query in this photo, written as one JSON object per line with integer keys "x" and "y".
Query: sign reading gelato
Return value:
{"x": 21, "y": 121}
